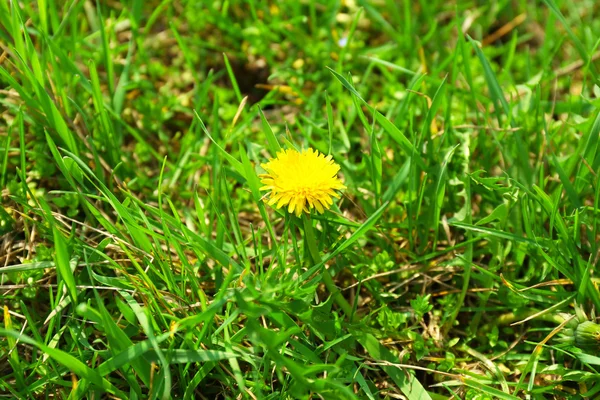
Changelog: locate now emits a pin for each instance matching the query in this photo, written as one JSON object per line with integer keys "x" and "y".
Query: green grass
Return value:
{"x": 138, "y": 259}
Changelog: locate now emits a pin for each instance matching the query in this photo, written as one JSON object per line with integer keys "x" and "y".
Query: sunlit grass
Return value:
{"x": 140, "y": 257}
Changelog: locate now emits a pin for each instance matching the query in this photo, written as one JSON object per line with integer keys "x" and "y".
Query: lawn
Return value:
{"x": 436, "y": 167}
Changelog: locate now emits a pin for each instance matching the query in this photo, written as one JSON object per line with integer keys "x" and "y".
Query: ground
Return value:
{"x": 140, "y": 258}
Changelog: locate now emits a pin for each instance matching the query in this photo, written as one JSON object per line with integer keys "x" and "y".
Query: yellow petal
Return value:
{"x": 319, "y": 207}
{"x": 301, "y": 180}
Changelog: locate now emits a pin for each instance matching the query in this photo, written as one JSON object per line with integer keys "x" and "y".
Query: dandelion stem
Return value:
{"x": 313, "y": 249}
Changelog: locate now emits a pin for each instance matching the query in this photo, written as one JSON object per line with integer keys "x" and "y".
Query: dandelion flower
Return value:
{"x": 301, "y": 180}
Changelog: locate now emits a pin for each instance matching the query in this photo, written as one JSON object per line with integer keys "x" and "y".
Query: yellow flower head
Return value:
{"x": 303, "y": 181}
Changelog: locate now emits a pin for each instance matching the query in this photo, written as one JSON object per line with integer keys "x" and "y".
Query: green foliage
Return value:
{"x": 139, "y": 260}
{"x": 421, "y": 305}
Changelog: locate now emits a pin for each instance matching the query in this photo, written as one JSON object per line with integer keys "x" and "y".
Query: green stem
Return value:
{"x": 311, "y": 241}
